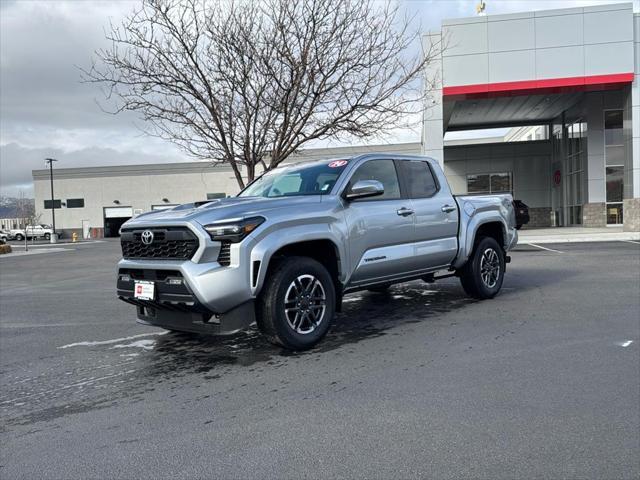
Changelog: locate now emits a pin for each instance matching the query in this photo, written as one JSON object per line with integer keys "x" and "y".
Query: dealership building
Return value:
{"x": 564, "y": 82}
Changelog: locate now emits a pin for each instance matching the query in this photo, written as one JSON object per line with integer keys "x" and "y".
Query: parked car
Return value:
{"x": 522, "y": 213}
{"x": 32, "y": 231}
{"x": 5, "y": 236}
{"x": 286, "y": 250}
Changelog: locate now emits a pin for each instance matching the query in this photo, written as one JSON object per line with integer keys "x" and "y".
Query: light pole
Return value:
{"x": 53, "y": 206}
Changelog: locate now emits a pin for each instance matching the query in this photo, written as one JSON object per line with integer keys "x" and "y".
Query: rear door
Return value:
{"x": 381, "y": 229}
{"x": 436, "y": 214}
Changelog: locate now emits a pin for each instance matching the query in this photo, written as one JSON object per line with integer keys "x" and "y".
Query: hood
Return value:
{"x": 221, "y": 209}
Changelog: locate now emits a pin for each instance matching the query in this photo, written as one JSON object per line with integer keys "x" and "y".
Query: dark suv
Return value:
{"x": 522, "y": 213}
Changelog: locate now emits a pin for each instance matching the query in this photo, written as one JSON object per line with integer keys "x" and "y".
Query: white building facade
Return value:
{"x": 573, "y": 71}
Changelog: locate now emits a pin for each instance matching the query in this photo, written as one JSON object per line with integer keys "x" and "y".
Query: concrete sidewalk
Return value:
{"x": 575, "y": 234}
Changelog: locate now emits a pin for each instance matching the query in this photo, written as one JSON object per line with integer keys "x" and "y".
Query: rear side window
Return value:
{"x": 383, "y": 171}
{"x": 419, "y": 179}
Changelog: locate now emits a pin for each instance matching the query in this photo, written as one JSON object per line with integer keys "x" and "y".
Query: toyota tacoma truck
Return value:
{"x": 285, "y": 250}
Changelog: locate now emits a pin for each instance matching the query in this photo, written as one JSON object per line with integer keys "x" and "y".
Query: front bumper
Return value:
{"x": 175, "y": 306}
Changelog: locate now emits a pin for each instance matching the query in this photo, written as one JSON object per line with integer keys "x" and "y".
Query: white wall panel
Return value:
{"x": 466, "y": 69}
{"x": 511, "y": 35}
{"x": 558, "y": 31}
{"x": 465, "y": 39}
{"x": 560, "y": 62}
{"x": 512, "y": 66}
{"x": 608, "y": 26}
{"x": 604, "y": 58}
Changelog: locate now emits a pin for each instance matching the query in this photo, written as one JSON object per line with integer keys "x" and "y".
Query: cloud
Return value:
{"x": 17, "y": 162}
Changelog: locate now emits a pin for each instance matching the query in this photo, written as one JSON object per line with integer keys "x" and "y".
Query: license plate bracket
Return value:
{"x": 143, "y": 290}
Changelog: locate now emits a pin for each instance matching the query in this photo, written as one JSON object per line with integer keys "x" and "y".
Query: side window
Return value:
{"x": 419, "y": 179}
{"x": 383, "y": 171}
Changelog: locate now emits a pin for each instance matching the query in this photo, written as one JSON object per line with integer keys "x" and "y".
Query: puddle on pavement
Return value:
{"x": 129, "y": 369}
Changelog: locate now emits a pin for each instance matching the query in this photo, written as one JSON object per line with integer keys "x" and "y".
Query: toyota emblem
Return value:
{"x": 147, "y": 237}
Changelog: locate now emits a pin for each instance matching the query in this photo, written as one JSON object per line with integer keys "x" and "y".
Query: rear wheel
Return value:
{"x": 47, "y": 236}
{"x": 483, "y": 274}
{"x": 19, "y": 237}
{"x": 297, "y": 303}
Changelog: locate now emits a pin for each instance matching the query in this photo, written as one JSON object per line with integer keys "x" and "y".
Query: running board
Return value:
{"x": 432, "y": 279}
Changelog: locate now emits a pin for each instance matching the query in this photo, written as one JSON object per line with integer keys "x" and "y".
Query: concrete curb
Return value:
{"x": 597, "y": 237}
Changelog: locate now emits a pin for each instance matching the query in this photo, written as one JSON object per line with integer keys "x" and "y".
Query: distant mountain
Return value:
{"x": 10, "y": 207}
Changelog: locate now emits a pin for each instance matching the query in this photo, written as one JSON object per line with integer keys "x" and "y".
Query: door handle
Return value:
{"x": 404, "y": 211}
{"x": 448, "y": 208}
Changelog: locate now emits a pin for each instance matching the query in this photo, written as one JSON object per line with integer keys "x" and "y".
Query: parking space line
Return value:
{"x": 630, "y": 241}
{"x": 543, "y": 248}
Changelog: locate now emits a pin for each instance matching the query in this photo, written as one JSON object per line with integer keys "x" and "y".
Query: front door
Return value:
{"x": 381, "y": 228}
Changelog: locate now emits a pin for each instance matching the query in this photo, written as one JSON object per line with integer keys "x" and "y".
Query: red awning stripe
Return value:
{"x": 522, "y": 86}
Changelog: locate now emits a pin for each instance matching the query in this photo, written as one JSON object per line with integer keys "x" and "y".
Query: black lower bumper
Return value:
{"x": 176, "y": 308}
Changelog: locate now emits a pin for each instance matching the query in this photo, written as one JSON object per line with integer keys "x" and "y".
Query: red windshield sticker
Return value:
{"x": 338, "y": 163}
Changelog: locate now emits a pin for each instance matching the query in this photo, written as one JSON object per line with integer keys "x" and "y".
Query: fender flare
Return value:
{"x": 468, "y": 236}
{"x": 265, "y": 248}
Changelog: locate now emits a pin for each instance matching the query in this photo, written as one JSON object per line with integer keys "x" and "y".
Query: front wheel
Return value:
{"x": 47, "y": 236}
{"x": 297, "y": 303}
{"x": 19, "y": 237}
{"x": 483, "y": 274}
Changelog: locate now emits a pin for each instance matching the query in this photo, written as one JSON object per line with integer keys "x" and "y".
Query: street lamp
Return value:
{"x": 53, "y": 205}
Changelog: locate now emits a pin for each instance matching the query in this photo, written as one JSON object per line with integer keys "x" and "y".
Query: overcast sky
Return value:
{"x": 46, "y": 112}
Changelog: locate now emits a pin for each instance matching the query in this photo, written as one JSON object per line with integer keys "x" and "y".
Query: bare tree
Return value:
{"x": 249, "y": 83}
{"x": 26, "y": 212}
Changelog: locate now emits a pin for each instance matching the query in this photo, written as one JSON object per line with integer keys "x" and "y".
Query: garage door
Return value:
{"x": 118, "y": 212}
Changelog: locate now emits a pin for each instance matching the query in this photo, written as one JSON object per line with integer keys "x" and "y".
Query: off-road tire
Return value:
{"x": 270, "y": 306}
{"x": 471, "y": 274}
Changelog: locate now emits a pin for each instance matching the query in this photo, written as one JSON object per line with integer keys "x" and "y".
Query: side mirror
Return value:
{"x": 364, "y": 189}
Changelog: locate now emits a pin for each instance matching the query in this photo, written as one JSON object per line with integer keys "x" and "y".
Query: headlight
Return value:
{"x": 233, "y": 230}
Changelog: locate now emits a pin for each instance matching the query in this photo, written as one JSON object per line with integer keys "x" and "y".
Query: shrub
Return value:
{"x": 5, "y": 249}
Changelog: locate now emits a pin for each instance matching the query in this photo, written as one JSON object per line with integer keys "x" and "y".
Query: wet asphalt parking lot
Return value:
{"x": 541, "y": 382}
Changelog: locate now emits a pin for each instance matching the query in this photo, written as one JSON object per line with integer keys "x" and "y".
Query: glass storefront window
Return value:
{"x": 613, "y": 127}
{"x": 614, "y": 214}
{"x": 614, "y": 152}
{"x": 478, "y": 184}
{"x": 486, "y": 183}
{"x": 575, "y": 215}
{"x": 501, "y": 183}
{"x": 573, "y": 166}
{"x": 614, "y": 184}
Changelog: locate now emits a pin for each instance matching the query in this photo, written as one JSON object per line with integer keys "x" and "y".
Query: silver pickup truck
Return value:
{"x": 286, "y": 250}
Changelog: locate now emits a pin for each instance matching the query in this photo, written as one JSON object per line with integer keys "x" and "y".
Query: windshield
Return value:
{"x": 316, "y": 178}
